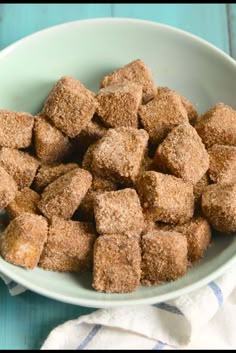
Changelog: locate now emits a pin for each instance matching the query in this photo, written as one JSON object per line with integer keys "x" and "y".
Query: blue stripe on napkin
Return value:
{"x": 167, "y": 307}
{"x": 217, "y": 291}
{"x": 89, "y": 337}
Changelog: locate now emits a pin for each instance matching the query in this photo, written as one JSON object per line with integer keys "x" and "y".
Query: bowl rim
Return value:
{"x": 98, "y": 303}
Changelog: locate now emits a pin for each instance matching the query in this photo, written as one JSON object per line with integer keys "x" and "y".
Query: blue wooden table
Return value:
{"x": 26, "y": 320}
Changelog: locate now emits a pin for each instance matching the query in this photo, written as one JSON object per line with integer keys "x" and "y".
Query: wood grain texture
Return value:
{"x": 26, "y": 320}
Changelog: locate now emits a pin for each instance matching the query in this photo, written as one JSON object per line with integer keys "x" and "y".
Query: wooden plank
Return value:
{"x": 19, "y": 20}
{"x": 27, "y": 319}
{"x": 232, "y": 28}
{"x": 208, "y": 21}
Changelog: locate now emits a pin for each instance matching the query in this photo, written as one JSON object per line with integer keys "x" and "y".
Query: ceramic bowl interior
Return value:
{"x": 88, "y": 50}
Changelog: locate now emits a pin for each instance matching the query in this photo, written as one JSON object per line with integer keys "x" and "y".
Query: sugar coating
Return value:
{"x": 222, "y": 166}
{"x": 47, "y": 174}
{"x": 15, "y": 129}
{"x": 164, "y": 257}
{"x": 88, "y": 157}
{"x": 118, "y": 212}
{"x": 69, "y": 247}
{"x": 98, "y": 186}
{"x": 183, "y": 154}
{"x": 20, "y": 165}
{"x": 118, "y": 104}
{"x": 198, "y": 234}
{"x": 51, "y": 146}
{"x": 22, "y": 241}
{"x": 165, "y": 198}
{"x": 119, "y": 154}
{"x": 8, "y": 188}
{"x": 191, "y": 111}
{"x": 93, "y": 131}
{"x": 218, "y": 126}
{"x": 161, "y": 115}
{"x": 117, "y": 261}
{"x": 62, "y": 197}
{"x": 219, "y": 206}
{"x": 70, "y": 106}
{"x": 136, "y": 72}
{"x": 199, "y": 188}
{"x": 25, "y": 201}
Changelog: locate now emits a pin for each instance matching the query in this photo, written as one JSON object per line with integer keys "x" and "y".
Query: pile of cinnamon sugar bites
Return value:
{"x": 126, "y": 183}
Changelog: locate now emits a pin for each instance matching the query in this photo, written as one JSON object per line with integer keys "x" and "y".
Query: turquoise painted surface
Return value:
{"x": 26, "y": 320}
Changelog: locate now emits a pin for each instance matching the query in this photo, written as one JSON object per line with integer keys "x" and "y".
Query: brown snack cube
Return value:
{"x": 98, "y": 186}
{"x": 51, "y": 146}
{"x": 47, "y": 174}
{"x": 118, "y": 212}
{"x": 165, "y": 198}
{"x": 136, "y": 72}
{"x": 119, "y": 154}
{"x": 93, "y": 131}
{"x": 8, "y": 188}
{"x": 70, "y": 106}
{"x": 191, "y": 111}
{"x": 20, "y": 165}
{"x": 117, "y": 261}
{"x": 199, "y": 188}
{"x": 15, "y": 129}
{"x": 161, "y": 115}
{"x": 222, "y": 166}
{"x": 88, "y": 157}
{"x": 25, "y": 201}
{"x": 62, "y": 197}
{"x": 198, "y": 234}
{"x": 22, "y": 241}
{"x": 218, "y": 126}
{"x": 219, "y": 206}
{"x": 164, "y": 257}
{"x": 183, "y": 154}
{"x": 118, "y": 104}
{"x": 69, "y": 247}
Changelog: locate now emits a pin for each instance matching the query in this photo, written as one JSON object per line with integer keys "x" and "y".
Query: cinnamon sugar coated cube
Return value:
{"x": 93, "y": 131}
{"x": 118, "y": 212}
{"x": 119, "y": 154}
{"x": 218, "y": 126}
{"x": 183, "y": 154}
{"x": 88, "y": 157}
{"x": 22, "y": 241}
{"x": 164, "y": 257}
{"x": 70, "y": 106}
{"x": 219, "y": 206}
{"x": 117, "y": 261}
{"x": 47, "y": 174}
{"x": 222, "y": 167}
{"x": 51, "y": 146}
{"x": 191, "y": 111}
{"x": 62, "y": 197}
{"x": 98, "y": 186}
{"x": 118, "y": 104}
{"x": 25, "y": 201}
{"x": 198, "y": 234}
{"x": 136, "y": 72}
{"x": 20, "y": 165}
{"x": 165, "y": 198}
{"x": 69, "y": 247}
{"x": 199, "y": 188}
{"x": 8, "y": 188}
{"x": 161, "y": 115}
{"x": 15, "y": 129}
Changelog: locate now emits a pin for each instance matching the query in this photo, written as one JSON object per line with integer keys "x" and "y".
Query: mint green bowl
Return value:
{"x": 88, "y": 50}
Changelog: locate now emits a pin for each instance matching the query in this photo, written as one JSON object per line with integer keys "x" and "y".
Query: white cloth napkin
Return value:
{"x": 197, "y": 320}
